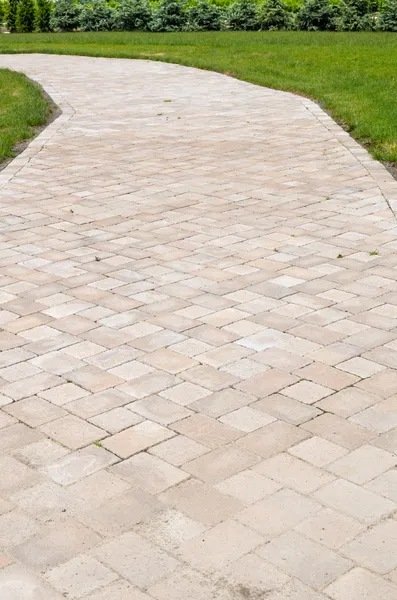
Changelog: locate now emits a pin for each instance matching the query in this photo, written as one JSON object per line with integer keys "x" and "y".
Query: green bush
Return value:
{"x": 318, "y": 15}
{"x": 350, "y": 19}
{"x": 133, "y": 14}
{"x": 43, "y": 15}
{"x": 388, "y": 17}
{"x": 26, "y": 16}
{"x": 65, "y": 16}
{"x": 273, "y": 15}
{"x": 242, "y": 15}
{"x": 170, "y": 15}
{"x": 2, "y": 12}
{"x": 204, "y": 16}
{"x": 97, "y": 16}
{"x": 11, "y": 15}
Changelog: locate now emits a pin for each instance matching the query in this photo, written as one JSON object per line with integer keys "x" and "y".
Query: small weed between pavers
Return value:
{"x": 373, "y": 253}
{"x": 275, "y": 250}
{"x": 167, "y": 100}
{"x": 160, "y": 114}
{"x": 98, "y": 444}
{"x": 97, "y": 259}
{"x": 340, "y": 256}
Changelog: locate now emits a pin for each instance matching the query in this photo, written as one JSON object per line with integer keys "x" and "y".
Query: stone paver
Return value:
{"x": 198, "y": 397}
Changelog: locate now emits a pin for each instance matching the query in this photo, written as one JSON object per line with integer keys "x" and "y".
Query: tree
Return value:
{"x": 388, "y": 17}
{"x": 133, "y": 14}
{"x": 26, "y": 15}
{"x": 43, "y": 15}
{"x": 97, "y": 16}
{"x": 65, "y": 16}
{"x": 317, "y": 15}
{"x": 204, "y": 16}
{"x": 11, "y": 12}
{"x": 241, "y": 15}
{"x": 273, "y": 15}
{"x": 169, "y": 16}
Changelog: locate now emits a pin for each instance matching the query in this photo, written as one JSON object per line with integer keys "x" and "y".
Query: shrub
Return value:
{"x": 2, "y": 12}
{"x": 65, "y": 16}
{"x": 169, "y": 16}
{"x": 43, "y": 15}
{"x": 241, "y": 15}
{"x": 274, "y": 15}
{"x": 11, "y": 13}
{"x": 97, "y": 16}
{"x": 350, "y": 19}
{"x": 204, "y": 16}
{"x": 26, "y": 16}
{"x": 388, "y": 17}
{"x": 133, "y": 14}
{"x": 317, "y": 15}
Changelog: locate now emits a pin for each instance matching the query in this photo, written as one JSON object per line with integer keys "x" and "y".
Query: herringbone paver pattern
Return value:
{"x": 198, "y": 375}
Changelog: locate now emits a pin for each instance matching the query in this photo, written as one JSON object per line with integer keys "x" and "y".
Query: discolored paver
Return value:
{"x": 198, "y": 366}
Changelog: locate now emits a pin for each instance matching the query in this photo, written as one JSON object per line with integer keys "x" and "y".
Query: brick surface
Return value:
{"x": 197, "y": 397}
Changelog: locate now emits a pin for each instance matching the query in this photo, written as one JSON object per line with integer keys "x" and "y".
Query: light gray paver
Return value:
{"x": 198, "y": 399}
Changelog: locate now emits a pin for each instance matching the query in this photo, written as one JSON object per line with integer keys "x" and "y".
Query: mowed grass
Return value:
{"x": 351, "y": 75}
{"x": 22, "y": 107}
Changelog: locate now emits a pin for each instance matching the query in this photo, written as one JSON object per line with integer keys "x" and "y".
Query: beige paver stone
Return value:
{"x": 137, "y": 438}
{"x": 79, "y": 576}
{"x": 35, "y": 411}
{"x": 17, "y": 583}
{"x": 286, "y": 409}
{"x": 293, "y": 473}
{"x": 150, "y": 473}
{"x": 178, "y": 450}
{"x": 354, "y": 501}
{"x": 219, "y": 546}
{"x": 363, "y": 464}
{"x": 119, "y": 513}
{"x": 272, "y": 439}
{"x": 248, "y": 486}
{"x": 376, "y": 548}
{"x": 330, "y": 528}
{"x": 119, "y": 590}
{"x": 139, "y": 561}
{"x": 159, "y": 410}
{"x": 220, "y": 464}
{"x": 278, "y": 512}
{"x": 55, "y": 545}
{"x": 72, "y": 432}
{"x": 339, "y": 431}
{"x": 314, "y": 564}
{"x": 80, "y": 464}
{"x": 360, "y": 583}
{"x": 201, "y": 502}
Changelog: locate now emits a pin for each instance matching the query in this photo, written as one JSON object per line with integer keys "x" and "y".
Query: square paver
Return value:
{"x": 137, "y": 438}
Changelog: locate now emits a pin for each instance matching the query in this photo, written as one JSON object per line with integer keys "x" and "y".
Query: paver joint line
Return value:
{"x": 198, "y": 345}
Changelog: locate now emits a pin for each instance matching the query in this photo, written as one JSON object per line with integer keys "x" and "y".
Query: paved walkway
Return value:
{"x": 198, "y": 374}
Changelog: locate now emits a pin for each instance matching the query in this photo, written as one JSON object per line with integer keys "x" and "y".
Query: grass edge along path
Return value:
{"x": 353, "y": 76}
{"x": 23, "y": 109}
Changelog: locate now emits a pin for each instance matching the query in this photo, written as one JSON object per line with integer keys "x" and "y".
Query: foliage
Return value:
{"x": 169, "y": 16}
{"x": 11, "y": 12}
{"x": 2, "y": 11}
{"x": 43, "y": 15}
{"x": 350, "y": 19}
{"x": 241, "y": 15}
{"x": 133, "y": 14}
{"x": 388, "y": 18}
{"x": 97, "y": 16}
{"x": 65, "y": 16}
{"x": 26, "y": 16}
{"x": 204, "y": 16}
{"x": 317, "y": 15}
{"x": 273, "y": 15}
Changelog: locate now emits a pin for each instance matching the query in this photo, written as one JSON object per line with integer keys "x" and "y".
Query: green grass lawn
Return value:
{"x": 352, "y": 75}
{"x": 22, "y": 107}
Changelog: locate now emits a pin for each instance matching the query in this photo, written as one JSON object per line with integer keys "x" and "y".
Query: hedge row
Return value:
{"x": 199, "y": 15}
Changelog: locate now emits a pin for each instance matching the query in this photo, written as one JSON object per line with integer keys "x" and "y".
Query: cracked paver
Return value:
{"x": 198, "y": 397}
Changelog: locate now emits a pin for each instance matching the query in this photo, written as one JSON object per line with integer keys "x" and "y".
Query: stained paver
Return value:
{"x": 198, "y": 362}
